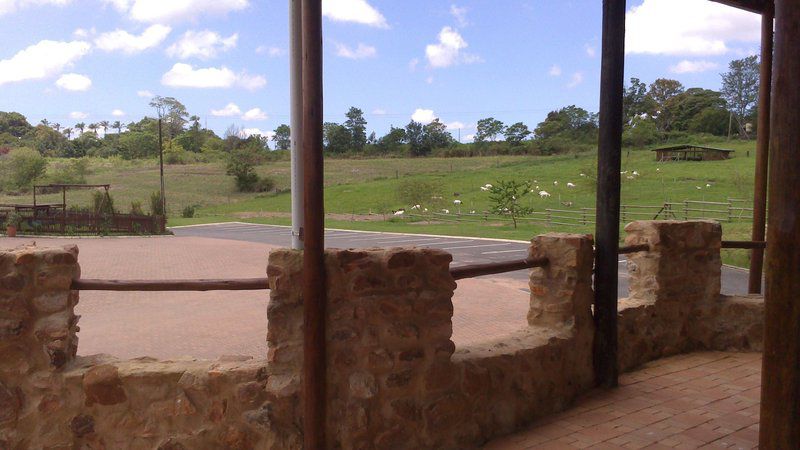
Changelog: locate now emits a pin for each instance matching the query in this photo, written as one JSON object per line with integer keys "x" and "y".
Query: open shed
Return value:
{"x": 690, "y": 152}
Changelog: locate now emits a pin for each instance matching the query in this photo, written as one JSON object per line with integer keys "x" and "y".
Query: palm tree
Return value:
{"x": 67, "y": 132}
{"x": 104, "y": 124}
{"x": 93, "y": 128}
{"x": 57, "y": 126}
{"x": 118, "y": 125}
{"x": 80, "y": 126}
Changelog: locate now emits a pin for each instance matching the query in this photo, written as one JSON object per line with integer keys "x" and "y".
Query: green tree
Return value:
{"x": 516, "y": 133}
{"x": 336, "y": 137}
{"x": 436, "y": 135}
{"x": 80, "y": 126}
{"x": 506, "y": 196}
{"x": 104, "y": 124}
{"x": 93, "y": 128}
{"x": 172, "y": 113}
{"x": 21, "y": 168}
{"x": 67, "y": 132}
{"x": 683, "y": 107}
{"x": 357, "y": 126}
{"x": 241, "y": 165}
{"x": 117, "y": 125}
{"x": 282, "y": 137}
{"x": 488, "y": 129}
{"x": 393, "y": 140}
{"x": 46, "y": 140}
{"x": 710, "y": 120}
{"x": 14, "y": 124}
{"x": 740, "y": 87}
{"x": 635, "y": 100}
{"x": 571, "y": 122}
{"x": 137, "y": 144}
{"x": 661, "y": 91}
{"x": 415, "y": 136}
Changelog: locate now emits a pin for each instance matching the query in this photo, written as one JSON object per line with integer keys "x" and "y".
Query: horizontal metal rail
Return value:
{"x": 241, "y": 284}
{"x": 634, "y": 248}
{"x": 477, "y": 270}
{"x": 744, "y": 244}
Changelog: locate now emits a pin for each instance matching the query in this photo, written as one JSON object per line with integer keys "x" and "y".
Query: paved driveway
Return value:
{"x": 465, "y": 250}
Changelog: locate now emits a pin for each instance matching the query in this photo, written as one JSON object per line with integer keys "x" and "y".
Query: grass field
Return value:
{"x": 356, "y": 188}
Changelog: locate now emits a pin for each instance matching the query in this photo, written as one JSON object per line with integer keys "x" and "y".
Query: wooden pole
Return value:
{"x": 762, "y": 151}
{"x": 780, "y": 379}
{"x": 314, "y": 299}
{"x": 609, "y": 159}
{"x": 241, "y": 284}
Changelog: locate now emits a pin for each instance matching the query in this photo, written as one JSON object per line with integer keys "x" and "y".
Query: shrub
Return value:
{"x": 102, "y": 203}
{"x": 264, "y": 184}
{"x": 241, "y": 165}
{"x": 188, "y": 211}
{"x": 21, "y": 168}
{"x": 74, "y": 172}
{"x": 505, "y": 197}
{"x": 156, "y": 205}
{"x": 136, "y": 208}
{"x": 426, "y": 193}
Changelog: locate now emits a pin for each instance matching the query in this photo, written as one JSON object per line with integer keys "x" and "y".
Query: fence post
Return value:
{"x": 685, "y": 210}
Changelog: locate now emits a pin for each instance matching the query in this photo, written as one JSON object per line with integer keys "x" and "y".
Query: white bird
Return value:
{"x": 623, "y": 172}
{"x": 555, "y": 183}
{"x": 708, "y": 185}
{"x": 425, "y": 210}
{"x": 544, "y": 194}
{"x": 635, "y": 173}
{"x": 484, "y": 188}
{"x": 570, "y": 185}
{"x": 415, "y": 207}
{"x": 399, "y": 212}
{"x": 472, "y": 212}
{"x": 698, "y": 187}
{"x": 658, "y": 170}
{"x": 446, "y": 211}
{"x": 513, "y": 197}
{"x": 537, "y": 187}
{"x": 488, "y": 186}
{"x": 630, "y": 177}
{"x": 583, "y": 174}
{"x": 456, "y": 202}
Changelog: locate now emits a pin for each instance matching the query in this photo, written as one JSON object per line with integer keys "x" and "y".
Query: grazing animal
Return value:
{"x": 456, "y": 202}
{"x": 566, "y": 203}
{"x": 544, "y": 194}
{"x": 484, "y": 188}
{"x": 446, "y": 211}
{"x": 555, "y": 183}
{"x": 399, "y": 212}
{"x": 570, "y": 185}
{"x": 708, "y": 185}
{"x": 415, "y": 207}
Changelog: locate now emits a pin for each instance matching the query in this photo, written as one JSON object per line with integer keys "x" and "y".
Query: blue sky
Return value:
{"x": 226, "y": 60}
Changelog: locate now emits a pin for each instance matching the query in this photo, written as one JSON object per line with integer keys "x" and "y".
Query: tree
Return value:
{"x": 710, "y": 120}
{"x": 661, "y": 91}
{"x": 93, "y": 128}
{"x": 436, "y": 135}
{"x": 81, "y": 126}
{"x": 488, "y": 129}
{"x": 104, "y": 125}
{"x": 336, "y": 137}
{"x": 283, "y": 137}
{"x": 241, "y": 165}
{"x": 67, "y": 132}
{"x": 571, "y": 122}
{"x": 415, "y": 136}
{"x": 505, "y": 197}
{"x": 173, "y": 114}
{"x": 21, "y": 168}
{"x": 392, "y": 141}
{"x": 357, "y": 126}
{"x": 14, "y": 124}
{"x": 516, "y": 133}
{"x": 635, "y": 101}
{"x": 117, "y": 125}
{"x": 46, "y": 140}
{"x": 682, "y": 108}
{"x": 740, "y": 87}
{"x": 137, "y": 144}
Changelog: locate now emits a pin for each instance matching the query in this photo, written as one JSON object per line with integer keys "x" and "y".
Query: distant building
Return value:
{"x": 689, "y": 152}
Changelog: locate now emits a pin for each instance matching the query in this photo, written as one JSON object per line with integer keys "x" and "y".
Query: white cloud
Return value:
{"x": 184, "y": 75}
{"x": 201, "y": 44}
{"x": 77, "y": 115}
{"x": 460, "y": 14}
{"x": 121, "y": 40}
{"x": 120, "y": 5}
{"x": 555, "y": 70}
{"x": 688, "y": 27}
{"x": 576, "y": 79}
{"x": 271, "y": 51}
{"x": 42, "y": 60}
{"x": 160, "y": 11}
{"x": 358, "y": 11}
{"x": 591, "y": 51}
{"x": 687, "y": 66}
{"x": 254, "y": 114}
{"x": 455, "y": 125}
{"x": 145, "y": 94}
{"x": 448, "y": 51}
{"x": 118, "y": 113}
{"x": 360, "y": 52}
{"x": 74, "y": 82}
{"x": 424, "y": 116}
{"x": 83, "y": 33}
{"x": 231, "y": 109}
{"x": 247, "y": 132}
{"x": 379, "y": 112}
{"x": 9, "y": 6}
{"x": 429, "y": 80}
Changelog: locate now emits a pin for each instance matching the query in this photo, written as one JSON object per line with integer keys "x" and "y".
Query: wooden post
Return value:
{"x": 780, "y": 379}
{"x": 609, "y": 159}
{"x": 313, "y": 227}
{"x": 762, "y": 150}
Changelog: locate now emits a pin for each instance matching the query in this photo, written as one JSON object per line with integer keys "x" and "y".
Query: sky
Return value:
{"x": 75, "y": 61}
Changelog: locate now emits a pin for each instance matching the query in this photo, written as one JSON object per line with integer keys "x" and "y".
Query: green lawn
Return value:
{"x": 356, "y": 188}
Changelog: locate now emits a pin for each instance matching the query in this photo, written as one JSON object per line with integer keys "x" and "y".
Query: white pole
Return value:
{"x": 296, "y": 111}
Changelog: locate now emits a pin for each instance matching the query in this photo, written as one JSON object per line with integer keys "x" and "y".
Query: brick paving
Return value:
{"x": 216, "y": 323}
{"x": 698, "y": 400}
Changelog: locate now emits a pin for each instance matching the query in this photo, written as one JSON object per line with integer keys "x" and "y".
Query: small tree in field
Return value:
{"x": 505, "y": 198}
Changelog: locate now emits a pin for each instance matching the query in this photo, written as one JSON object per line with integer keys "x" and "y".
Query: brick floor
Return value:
{"x": 698, "y": 400}
{"x": 211, "y": 324}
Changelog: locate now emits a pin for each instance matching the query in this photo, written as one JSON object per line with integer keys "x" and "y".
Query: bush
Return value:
{"x": 21, "y": 167}
{"x": 102, "y": 203}
{"x": 241, "y": 164}
{"x": 264, "y": 184}
{"x": 188, "y": 211}
{"x": 136, "y": 208}
{"x": 427, "y": 193}
{"x": 74, "y": 172}
{"x": 156, "y": 205}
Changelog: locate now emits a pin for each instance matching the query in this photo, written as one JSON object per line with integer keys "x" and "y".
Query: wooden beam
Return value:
{"x": 744, "y": 244}
{"x": 314, "y": 299}
{"x": 762, "y": 152}
{"x": 609, "y": 156}
{"x": 235, "y": 284}
{"x": 780, "y": 379}
{"x": 756, "y": 6}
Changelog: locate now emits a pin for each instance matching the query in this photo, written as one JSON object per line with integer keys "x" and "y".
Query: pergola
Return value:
{"x": 778, "y": 137}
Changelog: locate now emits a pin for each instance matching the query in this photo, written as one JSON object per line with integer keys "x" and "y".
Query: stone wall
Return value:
{"x": 395, "y": 378}
{"x": 675, "y": 304}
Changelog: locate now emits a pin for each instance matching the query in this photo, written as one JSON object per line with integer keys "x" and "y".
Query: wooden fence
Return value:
{"x": 82, "y": 222}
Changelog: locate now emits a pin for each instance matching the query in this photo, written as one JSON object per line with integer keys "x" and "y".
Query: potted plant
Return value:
{"x": 13, "y": 219}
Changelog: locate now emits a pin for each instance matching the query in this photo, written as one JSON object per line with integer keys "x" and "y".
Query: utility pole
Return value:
{"x": 161, "y": 168}
{"x": 296, "y": 122}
